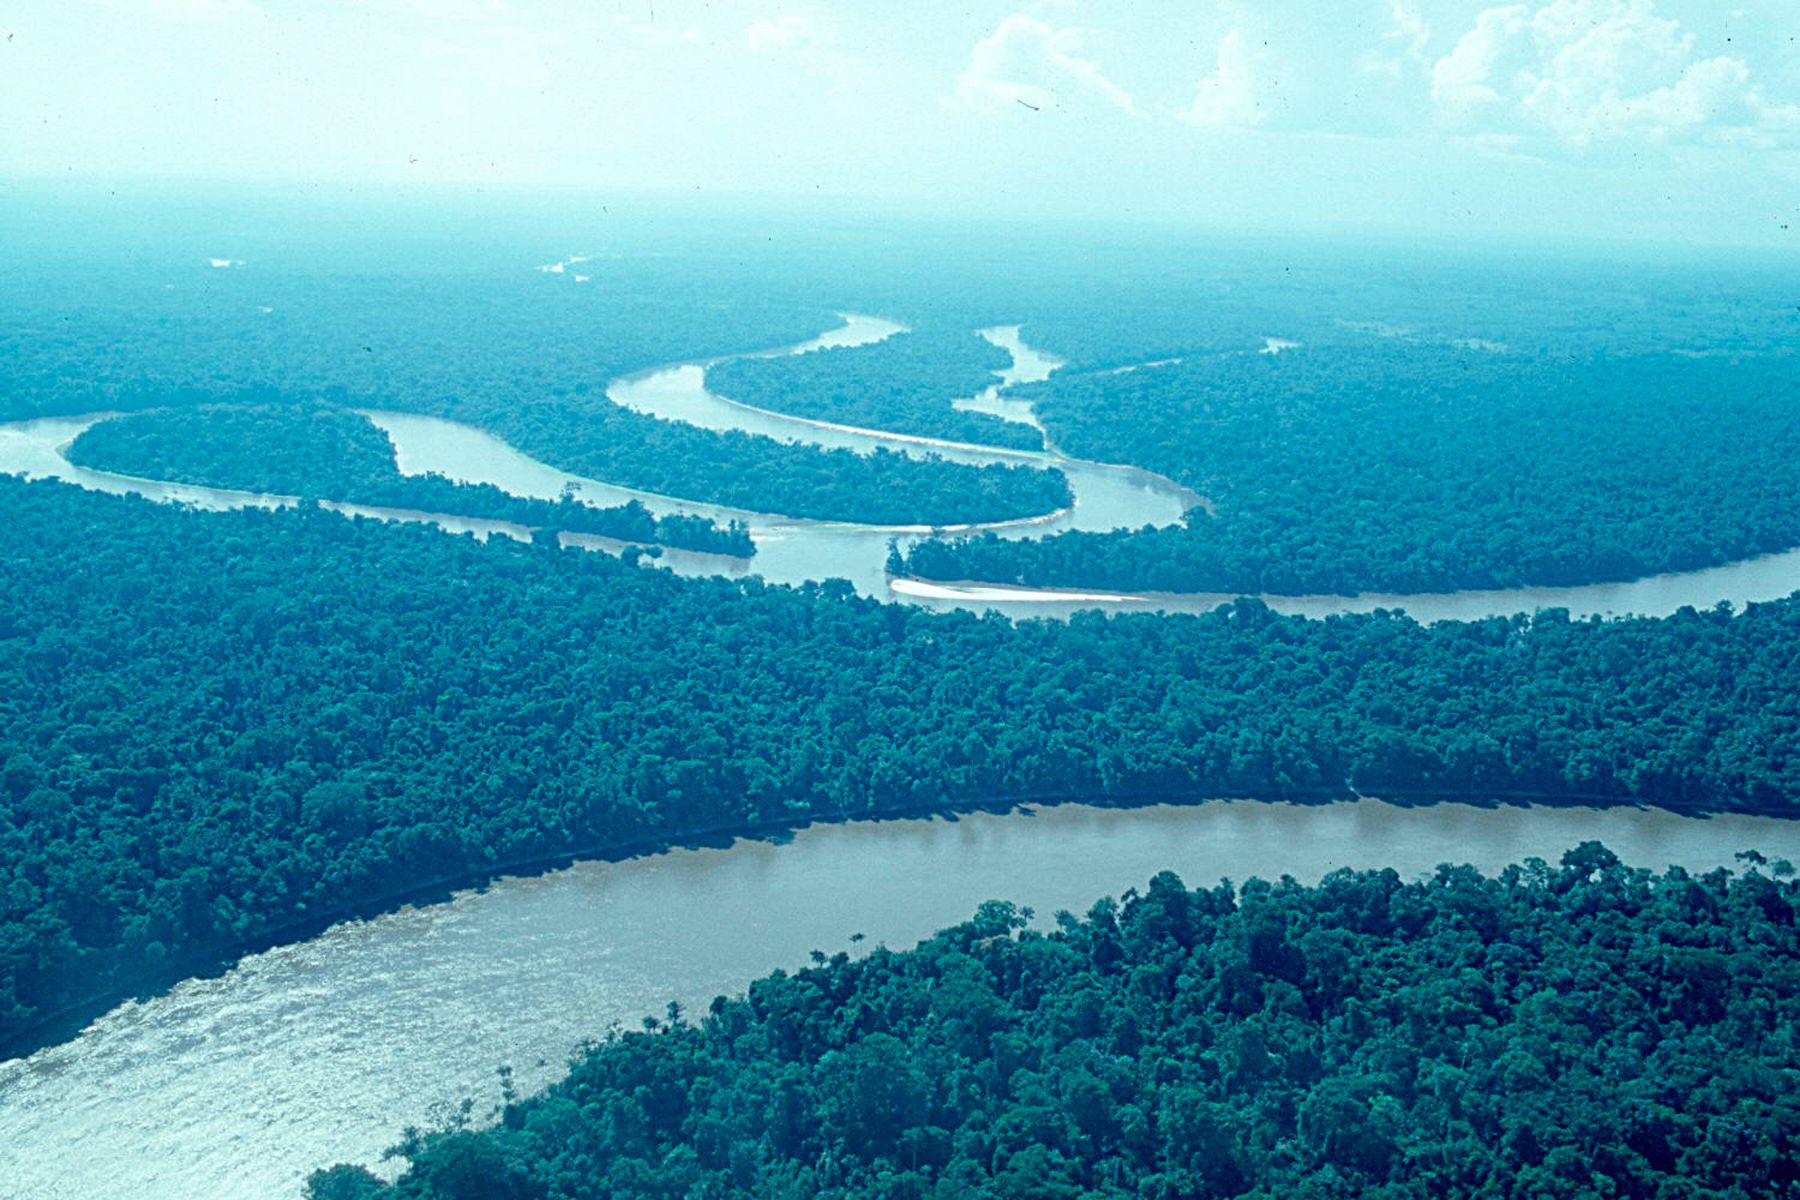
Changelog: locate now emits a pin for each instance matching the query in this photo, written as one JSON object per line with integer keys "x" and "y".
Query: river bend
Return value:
{"x": 322, "y": 1051}
{"x": 791, "y": 551}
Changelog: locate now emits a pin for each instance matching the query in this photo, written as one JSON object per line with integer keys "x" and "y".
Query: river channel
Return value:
{"x": 792, "y": 551}
{"x": 322, "y": 1051}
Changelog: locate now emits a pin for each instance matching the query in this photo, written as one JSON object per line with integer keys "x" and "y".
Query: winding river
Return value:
{"x": 322, "y": 1051}
{"x": 789, "y": 550}
{"x": 1107, "y": 496}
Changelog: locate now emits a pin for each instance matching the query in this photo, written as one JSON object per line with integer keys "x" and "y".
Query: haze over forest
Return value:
{"x": 1058, "y": 600}
{"x": 1671, "y": 120}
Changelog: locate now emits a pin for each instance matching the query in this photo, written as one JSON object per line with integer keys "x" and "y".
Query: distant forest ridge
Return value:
{"x": 1447, "y": 422}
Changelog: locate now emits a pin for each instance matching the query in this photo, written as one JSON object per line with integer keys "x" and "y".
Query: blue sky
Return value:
{"x": 1676, "y": 121}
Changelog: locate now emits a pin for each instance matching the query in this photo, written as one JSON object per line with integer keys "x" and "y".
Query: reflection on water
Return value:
{"x": 322, "y": 1051}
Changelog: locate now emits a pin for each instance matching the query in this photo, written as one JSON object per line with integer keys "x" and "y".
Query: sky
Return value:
{"x": 1668, "y": 120}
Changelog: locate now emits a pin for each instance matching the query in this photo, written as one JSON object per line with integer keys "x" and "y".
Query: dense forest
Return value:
{"x": 523, "y": 355}
{"x": 416, "y": 337}
{"x": 902, "y": 384}
{"x": 447, "y": 315}
{"x": 1158, "y": 300}
{"x": 229, "y": 728}
{"x": 591, "y": 436}
{"x": 1395, "y": 467}
{"x": 1585, "y": 1031}
{"x": 323, "y": 452}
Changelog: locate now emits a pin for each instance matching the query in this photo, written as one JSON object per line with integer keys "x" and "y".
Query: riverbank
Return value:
{"x": 319, "y": 1051}
{"x": 212, "y": 961}
{"x": 793, "y": 551}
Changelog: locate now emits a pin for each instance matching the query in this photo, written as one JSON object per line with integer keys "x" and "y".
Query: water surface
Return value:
{"x": 793, "y": 551}
{"x": 321, "y": 1051}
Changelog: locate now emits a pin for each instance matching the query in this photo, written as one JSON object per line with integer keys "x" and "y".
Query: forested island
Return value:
{"x": 1333, "y": 469}
{"x": 322, "y": 452}
{"x": 1588, "y": 1030}
{"x": 504, "y": 350}
{"x": 582, "y": 432}
{"x": 902, "y": 384}
{"x": 229, "y": 729}
{"x": 1394, "y": 467}
{"x": 590, "y": 435}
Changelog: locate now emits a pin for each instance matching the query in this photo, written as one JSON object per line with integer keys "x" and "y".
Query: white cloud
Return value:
{"x": 1025, "y": 62}
{"x": 434, "y": 10}
{"x": 193, "y": 10}
{"x": 1592, "y": 71}
{"x": 1464, "y": 80}
{"x": 1227, "y": 97}
{"x": 1403, "y": 45}
{"x": 653, "y": 33}
{"x": 780, "y": 33}
{"x": 1356, "y": 67}
{"x": 1409, "y": 28}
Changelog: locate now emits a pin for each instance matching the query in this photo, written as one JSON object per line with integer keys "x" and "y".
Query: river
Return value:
{"x": 322, "y": 1051}
{"x": 1107, "y": 496}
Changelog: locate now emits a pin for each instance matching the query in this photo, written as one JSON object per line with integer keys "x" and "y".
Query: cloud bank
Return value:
{"x": 1591, "y": 71}
{"x": 1027, "y": 63}
{"x": 1227, "y": 97}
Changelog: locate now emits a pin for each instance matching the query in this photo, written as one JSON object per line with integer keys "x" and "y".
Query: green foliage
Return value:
{"x": 903, "y": 384}
{"x": 1387, "y": 467}
{"x": 441, "y": 313}
{"x": 225, "y": 729}
{"x": 1588, "y": 1031}
{"x": 344, "y": 1182}
{"x": 525, "y": 356}
{"x": 393, "y": 318}
{"x": 324, "y": 452}
{"x": 590, "y": 435}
